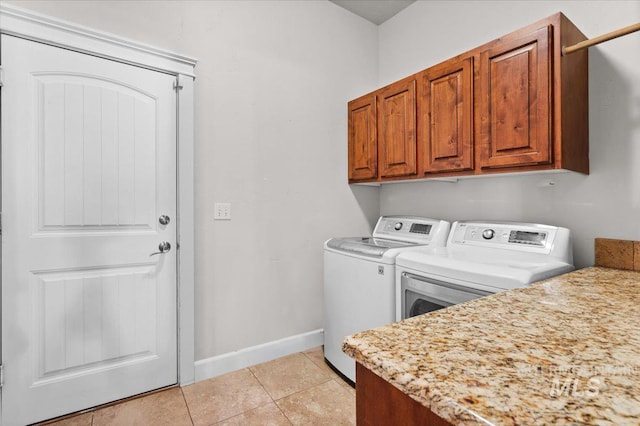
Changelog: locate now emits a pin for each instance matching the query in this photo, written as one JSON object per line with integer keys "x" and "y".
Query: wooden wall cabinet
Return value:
{"x": 515, "y": 99}
{"x": 363, "y": 149}
{"x": 397, "y": 129}
{"x": 513, "y": 104}
{"x": 446, "y": 116}
{"x": 382, "y": 133}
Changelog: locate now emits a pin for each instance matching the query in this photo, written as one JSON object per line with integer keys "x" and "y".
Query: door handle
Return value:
{"x": 164, "y": 247}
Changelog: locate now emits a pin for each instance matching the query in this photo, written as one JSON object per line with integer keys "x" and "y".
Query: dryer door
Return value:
{"x": 420, "y": 295}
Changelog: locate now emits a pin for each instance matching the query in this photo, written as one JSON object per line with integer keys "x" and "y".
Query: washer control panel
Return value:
{"x": 412, "y": 229}
{"x": 406, "y": 226}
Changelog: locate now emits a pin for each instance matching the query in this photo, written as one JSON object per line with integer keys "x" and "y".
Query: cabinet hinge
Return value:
{"x": 178, "y": 82}
{"x": 1, "y": 376}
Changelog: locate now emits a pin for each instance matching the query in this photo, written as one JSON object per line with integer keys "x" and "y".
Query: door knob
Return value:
{"x": 164, "y": 219}
{"x": 164, "y": 247}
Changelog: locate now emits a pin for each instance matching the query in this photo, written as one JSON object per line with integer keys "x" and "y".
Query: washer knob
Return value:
{"x": 488, "y": 234}
{"x": 397, "y": 226}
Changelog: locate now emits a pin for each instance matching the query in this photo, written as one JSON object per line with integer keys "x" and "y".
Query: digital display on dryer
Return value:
{"x": 527, "y": 237}
{"x": 420, "y": 228}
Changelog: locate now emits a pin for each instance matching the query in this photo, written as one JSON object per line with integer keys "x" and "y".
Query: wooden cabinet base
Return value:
{"x": 378, "y": 402}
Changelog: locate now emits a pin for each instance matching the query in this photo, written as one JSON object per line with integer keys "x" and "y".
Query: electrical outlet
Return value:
{"x": 222, "y": 211}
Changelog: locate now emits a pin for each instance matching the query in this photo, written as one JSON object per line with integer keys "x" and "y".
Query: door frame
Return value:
{"x": 40, "y": 28}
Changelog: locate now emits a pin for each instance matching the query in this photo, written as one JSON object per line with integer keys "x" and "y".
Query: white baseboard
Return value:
{"x": 232, "y": 361}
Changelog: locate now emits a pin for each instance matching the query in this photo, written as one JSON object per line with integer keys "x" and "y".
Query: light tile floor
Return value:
{"x": 298, "y": 389}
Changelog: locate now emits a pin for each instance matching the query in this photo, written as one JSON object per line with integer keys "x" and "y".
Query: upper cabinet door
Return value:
{"x": 516, "y": 101}
{"x": 397, "y": 129}
{"x": 446, "y": 116}
{"x": 363, "y": 155}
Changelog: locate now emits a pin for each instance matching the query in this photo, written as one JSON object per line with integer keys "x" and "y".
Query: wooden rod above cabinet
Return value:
{"x": 597, "y": 40}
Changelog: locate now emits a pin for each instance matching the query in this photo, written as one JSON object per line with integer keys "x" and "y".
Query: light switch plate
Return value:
{"x": 222, "y": 211}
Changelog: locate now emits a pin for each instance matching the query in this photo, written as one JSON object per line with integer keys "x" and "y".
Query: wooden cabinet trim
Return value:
{"x": 571, "y": 86}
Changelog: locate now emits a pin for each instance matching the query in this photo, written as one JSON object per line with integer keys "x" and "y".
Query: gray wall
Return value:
{"x": 605, "y": 203}
{"x": 273, "y": 81}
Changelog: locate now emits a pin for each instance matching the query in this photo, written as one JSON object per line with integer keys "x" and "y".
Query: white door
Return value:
{"x": 88, "y": 167}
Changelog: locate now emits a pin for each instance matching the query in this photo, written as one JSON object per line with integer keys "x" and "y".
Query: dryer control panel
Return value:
{"x": 528, "y": 237}
{"x": 501, "y": 235}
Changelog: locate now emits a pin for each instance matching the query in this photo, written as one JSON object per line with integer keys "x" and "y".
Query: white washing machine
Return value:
{"x": 480, "y": 258}
{"x": 359, "y": 279}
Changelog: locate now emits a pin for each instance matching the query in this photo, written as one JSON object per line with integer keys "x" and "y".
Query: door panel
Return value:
{"x": 88, "y": 166}
{"x": 446, "y": 101}
{"x": 363, "y": 155}
{"x": 397, "y": 129}
{"x": 516, "y": 101}
{"x": 97, "y": 152}
{"x": 87, "y": 320}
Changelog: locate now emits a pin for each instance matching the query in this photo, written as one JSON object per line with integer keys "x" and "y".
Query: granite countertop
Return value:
{"x": 563, "y": 351}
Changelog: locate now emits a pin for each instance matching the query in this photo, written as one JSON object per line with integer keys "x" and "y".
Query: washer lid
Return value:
{"x": 367, "y": 246}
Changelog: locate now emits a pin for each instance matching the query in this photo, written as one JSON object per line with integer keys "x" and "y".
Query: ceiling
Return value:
{"x": 376, "y": 11}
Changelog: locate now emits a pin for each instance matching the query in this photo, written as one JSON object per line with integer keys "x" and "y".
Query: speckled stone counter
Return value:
{"x": 564, "y": 351}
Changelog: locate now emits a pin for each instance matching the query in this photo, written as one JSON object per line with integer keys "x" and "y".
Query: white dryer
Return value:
{"x": 359, "y": 279}
{"x": 481, "y": 258}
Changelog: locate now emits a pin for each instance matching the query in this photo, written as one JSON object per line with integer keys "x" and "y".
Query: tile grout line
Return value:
{"x": 271, "y": 397}
{"x": 329, "y": 378}
{"x": 333, "y": 376}
{"x": 259, "y": 406}
{"x": 275, "y": 402}
{"x": 261, "y": 384}
{"x": 242, "y": 412}
{"x": 303, "y": 390}
{"x": 184, "y": 398}
{"x": 283, "y": 413}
